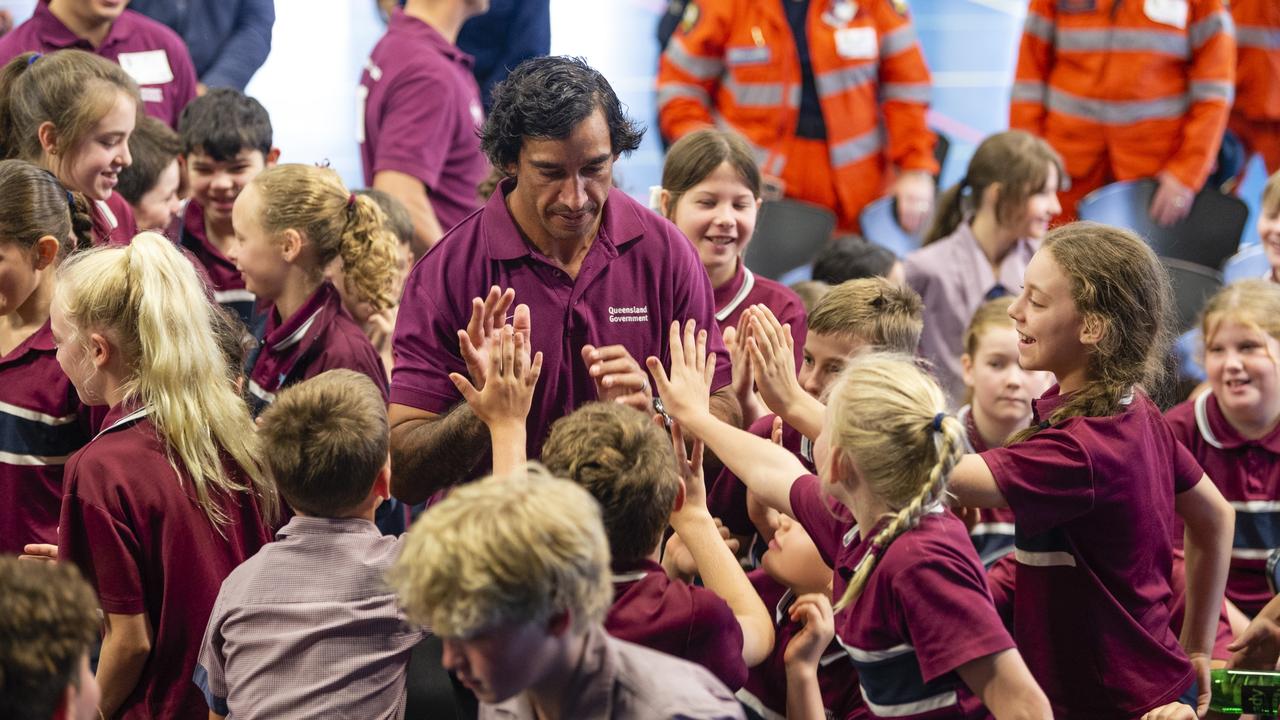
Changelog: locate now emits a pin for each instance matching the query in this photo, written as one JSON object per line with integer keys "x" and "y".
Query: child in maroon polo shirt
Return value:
{"x": 171, "y": 495}
{"x": 150, "y": 183}
{"x": 43, "y": 419}
{"x": 1232, "y": 431}
{"x": 1095, "y": 484}
{"x": 291, "y": 222}
{"x": 914, "y": 614}
{"x": 711, "y": 191}
{"x": 72, "y": 113}
{"x": 226, "y": 141}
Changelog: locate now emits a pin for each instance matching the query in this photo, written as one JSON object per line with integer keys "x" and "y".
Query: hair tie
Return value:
{"x": 351, "y": 202}
{"x": 71, "y": 200}
{"x": 937, "y": 422}
{"x": 34, "y": 57}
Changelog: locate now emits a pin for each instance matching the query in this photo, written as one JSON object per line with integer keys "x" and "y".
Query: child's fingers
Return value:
{"x": 535, "y": 370}
{"x": 709, "y": 369}
{"x": 675, "y": 344}
{"x": 521, "y": 322}
{"x": 701, "y": 343}
{"x": 661, "y": 382}
{"x": 677, "y": 443}
{"x": 469, "y": 392}
{"x": 699, "y": 449}
{"x": 508, "y": 351}
{"x": 519, "y": 353}
{"x": 775, "y": 433}
{"x": 690, "y": 344}
{"x": 730, "y": 337}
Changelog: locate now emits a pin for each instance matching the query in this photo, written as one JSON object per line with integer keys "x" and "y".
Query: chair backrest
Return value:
{"x": 788, "y": 234}
{"x": 1207, "y": 236}
{"x": 1193, "y": 285}
{"x": 1251, "y": 262}
{"x": 879, "y": 222}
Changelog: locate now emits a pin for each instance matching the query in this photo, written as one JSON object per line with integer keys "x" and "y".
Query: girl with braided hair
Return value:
{"x": 913, "y": 610}
{"x": 1094, "y": 485}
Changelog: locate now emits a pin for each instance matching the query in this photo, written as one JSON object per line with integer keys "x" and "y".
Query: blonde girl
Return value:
{"x": 43, "y": 420}
{"x": 885, "y": 451}
{"x": 72, "y": 112}
{"x": 998, "y": 395}
{"x": 170, "y": 496}
{"x": 1232, "y": 429}
{"x": 293, "y": 221}
{"x": 986, "y": 229}
{"x": 1095, "y": 484}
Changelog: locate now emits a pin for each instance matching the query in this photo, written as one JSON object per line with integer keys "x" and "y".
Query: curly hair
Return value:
{"x": 547, "y": 97}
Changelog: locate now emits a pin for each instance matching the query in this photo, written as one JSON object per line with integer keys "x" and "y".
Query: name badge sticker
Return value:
{"x": 150, "y": 67}
{"x": 1167, "y": 12}
{"x": 857, "y": 43}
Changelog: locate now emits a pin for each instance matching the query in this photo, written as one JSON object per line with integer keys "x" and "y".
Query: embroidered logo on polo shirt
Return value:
{"x": 628, "y": 314}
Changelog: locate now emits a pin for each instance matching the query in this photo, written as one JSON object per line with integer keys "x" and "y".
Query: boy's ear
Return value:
{"x": 680, "y": 494}
{"x": 559, "y": 623}
{"x": 272, "y": 157}
{"x": 382, "y": 483}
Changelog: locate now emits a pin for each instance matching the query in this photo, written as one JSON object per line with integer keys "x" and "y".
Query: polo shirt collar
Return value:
{"x": 978, "y": 262}
{"x": 122, "y": 415}
{"x": 1220, "y": 433}
{"x": 731, "y": 295}
{"x": 1043, "y": 406}
{"x": 634, "y": 571}
{"x": 292, "y": 331}
{"x": 299, "y": 525}
{"x": 503, "y": 239}
{"x": 53, "y": 33}
{"x": 423, "y": 31}
{"x": 39, "y": 341}
{"x": 965, "y": 416}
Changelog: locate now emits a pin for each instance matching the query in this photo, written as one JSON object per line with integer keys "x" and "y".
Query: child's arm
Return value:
{"x": 125, "y": 648}
{"x": 717, "y": 564}
{"x": 1210, "y": 526}
{"x": 1004, "y": 684}
{"x": 773, "y": 360}
{"x": 503, "y": 402}
{"x": 680, "y": 565}
{"x": 765, "y": 468}
{"x": 973, "y": 485}
{"x": 744, "y": 379}
{"x": 1258, "y": 647}
{"x": 804, "y": 652}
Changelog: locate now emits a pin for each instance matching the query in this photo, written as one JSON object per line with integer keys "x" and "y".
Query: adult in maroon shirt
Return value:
{"x": 419, "y": 111}
{"x": 153, "y": 55}
{"x": 599, "y": 277}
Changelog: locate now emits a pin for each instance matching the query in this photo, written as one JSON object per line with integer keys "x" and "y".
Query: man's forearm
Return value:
{"x": 432, "y": 454}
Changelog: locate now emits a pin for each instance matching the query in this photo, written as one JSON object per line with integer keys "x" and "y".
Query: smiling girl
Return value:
{"x": 72, "y": 112}
{"x": 711, "y": 191}
{"x": 1232, "y": 429}
{"x": 986, "y": 229}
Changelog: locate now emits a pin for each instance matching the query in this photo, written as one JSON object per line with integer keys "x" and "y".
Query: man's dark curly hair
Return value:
{"x": 547, "y": 97}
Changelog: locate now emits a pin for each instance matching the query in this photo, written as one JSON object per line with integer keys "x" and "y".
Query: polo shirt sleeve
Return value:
{"x": 947, "y": 612}
{"x": 107, "y": 551}
{"x": 1186, "y": 469}
{"x": 418, "y": 111}
{"x": 1047, "y": 479}
{"x": 209, "y": 674}
{"x": 695, "y": 301}
{"x": 425, "y": 348}
{"x": 815, "y": 516}
{"x": 716, "y": 634}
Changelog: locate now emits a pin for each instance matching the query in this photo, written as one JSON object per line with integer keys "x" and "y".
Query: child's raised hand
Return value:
{"x": 488, "y": 317}
{"x": 807, "y": 646}
{"x": 744, "y": 380}
{"x": 773, "y": 358}
{"x": 686, "y": 391}
{"x": 511, "y": 376}
{"x": 689, "y": 466}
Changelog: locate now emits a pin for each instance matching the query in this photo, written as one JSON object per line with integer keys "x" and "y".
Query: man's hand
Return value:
{"x": 506, "y": 397}
{"x": 1171, "y": 202}
{"x": 488, "y": 317}
{"x": 913, "y": 193}
{"x": 618, "y": 377}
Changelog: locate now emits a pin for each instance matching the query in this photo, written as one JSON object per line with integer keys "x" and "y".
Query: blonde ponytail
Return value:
{"x": 887, "y": 418}
{"x": 336, "y": 223}
{"x": 149, "y": 297}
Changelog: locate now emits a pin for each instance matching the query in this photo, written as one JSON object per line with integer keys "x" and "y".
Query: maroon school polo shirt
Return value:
{"x": 747, "y": 289}
{"x": 420, "y": 113}
{"x": 113, "y": 222}
{"x": 727, "y": 496}
{"x": 320, "y": 336}
{"x": 766, "y": 688}
{"x": 639, "y": 275}
{"x": 42, "y": 422}
{"x": 924, "y": 612}
{"x": 993, "y": 534}
{"x": 1247, "y": 472}
{"x": 679, "y": 619}
{"x": 152, "y": 54}
{"x": 225, "y": 280}
{"x": 135, "y": 529}
{"x": 1094, "y": 501}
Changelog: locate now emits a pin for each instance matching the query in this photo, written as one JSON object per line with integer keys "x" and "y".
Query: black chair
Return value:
{"x": 1207, "y": 236}
{"x": 788, "y": 234}
{"x": 879, "y": 222}
{"x": 1193, "y": 285}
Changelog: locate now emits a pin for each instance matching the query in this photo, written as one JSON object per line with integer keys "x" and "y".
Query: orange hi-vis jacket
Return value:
{"x": 734, "y": 63}
{"x": 1257, "y": 58}
{"x": 1127, "y": 88}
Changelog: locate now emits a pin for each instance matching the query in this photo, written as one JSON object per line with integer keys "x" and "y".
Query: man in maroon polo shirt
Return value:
{"x": 600, "y": 279}
{"x": 153, "y": 55}
{"x": 420, "y": 109}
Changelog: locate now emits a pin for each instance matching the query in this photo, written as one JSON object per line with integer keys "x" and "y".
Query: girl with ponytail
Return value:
{"x": 985, "y": 231}
{"x": 1094, "y": 485}
{"x": 170, "y": 496}
{"x": 72, "y": 112}
{"x": 913, "y": 610}
{"x": 292, "y": 222}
